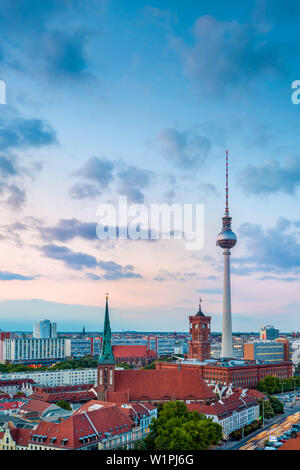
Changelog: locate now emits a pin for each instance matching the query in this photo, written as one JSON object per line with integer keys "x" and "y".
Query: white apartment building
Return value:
{"x": 232, "y": 412}
{"x": 295, "y": 351}
{"x": 20, "y": 350}
{"x": 56, "y": 377}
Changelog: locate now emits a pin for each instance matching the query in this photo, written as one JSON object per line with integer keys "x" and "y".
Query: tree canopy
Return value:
{"x": 178, "y": 429}
{"x": 64, "y": 404}
{"x": 271, "y": 384}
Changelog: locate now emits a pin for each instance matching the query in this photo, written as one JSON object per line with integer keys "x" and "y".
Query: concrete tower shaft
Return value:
{"x": 226, "y": 239}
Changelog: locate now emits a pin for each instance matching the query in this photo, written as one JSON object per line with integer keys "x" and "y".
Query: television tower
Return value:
{"x": 226, "y": 240}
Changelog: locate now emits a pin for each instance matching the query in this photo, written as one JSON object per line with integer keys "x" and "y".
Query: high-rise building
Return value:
{"x": 200, "y": 331}
{"x": 268, "y": 332}
{"x": 44, "y": 329}
{"x": 226, "y": 240}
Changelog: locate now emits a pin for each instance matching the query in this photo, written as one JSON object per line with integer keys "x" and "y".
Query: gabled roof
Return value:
{"x": 84, "y": 425}
{"x": 35, "y": 406}
{"x": 160, "y": 384}
{"x": 93, "y": 405}
{"x": 132, "y": 351}
{"x": 226, "y": 406}
{"x": 73, "y": 396}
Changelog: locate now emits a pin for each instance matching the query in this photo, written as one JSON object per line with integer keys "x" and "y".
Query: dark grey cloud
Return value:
{"x": 48, "y": 30}
{"x": 79, "y": 261}
{"x": 132, "y": 182}
{"x": 274, "y": 250}
{"x": 65, "y": 53}
{"x": 114, "y": 271}
{"x": 84, "y": 191}
{"x": 271, "y": 177}
{"x": 9, "y": 276}
{"x": 16, "y": 197}
{"x": 184, "y": 149}
{"x": 227, "y": 53}
{"x": 73, "y": 260}
{"x": 8, "y": 167}
{"x": 99, "y": 170}
{"x": 20, "y": 132}
{"x": 68, "y": 229}
{"x": 98, "y": 174}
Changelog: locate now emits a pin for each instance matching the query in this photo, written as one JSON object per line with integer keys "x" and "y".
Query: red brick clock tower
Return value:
{"x": 200, "y": 331}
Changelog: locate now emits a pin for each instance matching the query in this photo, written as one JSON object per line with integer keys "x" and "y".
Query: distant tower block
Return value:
{"x": 200, "y": 331}
{"x": 226, "y": 240}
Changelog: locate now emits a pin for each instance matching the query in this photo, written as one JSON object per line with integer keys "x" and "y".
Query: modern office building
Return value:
{"x": 268, "y": 332}
{"x": 162, "y": 344}
{"x": 266, "y": 351}
{"x": 45, "y": 329}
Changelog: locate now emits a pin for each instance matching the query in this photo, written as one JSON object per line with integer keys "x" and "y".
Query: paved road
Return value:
{"x": 275, "y": 430}
{"x": 271, "y": 423}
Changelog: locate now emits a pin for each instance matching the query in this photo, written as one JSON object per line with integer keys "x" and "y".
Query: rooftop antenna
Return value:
{"x": 226, "y": 189}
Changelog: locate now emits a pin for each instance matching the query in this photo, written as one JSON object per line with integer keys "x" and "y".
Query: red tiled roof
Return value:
{"x": 73, "y": 397}
{"x": 93, "y": 403}
{"x": 226, "y": 406}
{"x": 118, "y": 397}
{"x": 37, "y": 406}
{"x": 131, "y": 409}
{"x": 256, "y": 394}
{"x": 106, "y": 419}
{"x": 21, "y": 436}
{"x": 160, "y": 384}
{"x": 61, "y": 388}
{"x": 132, "y": 351}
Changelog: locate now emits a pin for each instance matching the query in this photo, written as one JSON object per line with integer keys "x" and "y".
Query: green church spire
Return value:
{"x": 106, "y": 356}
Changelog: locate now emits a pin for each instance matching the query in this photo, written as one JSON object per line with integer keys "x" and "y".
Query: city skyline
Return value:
{"x": 92, "y": 113}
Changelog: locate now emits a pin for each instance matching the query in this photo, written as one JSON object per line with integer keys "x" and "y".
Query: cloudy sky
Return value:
{"x": 141, "y": 99}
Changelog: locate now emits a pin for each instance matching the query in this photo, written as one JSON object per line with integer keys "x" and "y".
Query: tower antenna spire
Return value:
{"x": 226, "y": 189}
